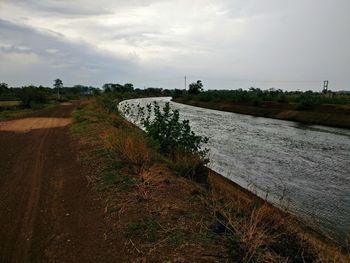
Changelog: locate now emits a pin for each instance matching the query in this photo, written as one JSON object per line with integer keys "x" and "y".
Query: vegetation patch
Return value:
{"x": 324, "y": 108}
{"x": 144, "y": 229}
{"x": 166, "y": 218}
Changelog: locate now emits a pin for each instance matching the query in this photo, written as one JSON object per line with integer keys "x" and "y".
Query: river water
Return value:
{"x": 302, "y": 168}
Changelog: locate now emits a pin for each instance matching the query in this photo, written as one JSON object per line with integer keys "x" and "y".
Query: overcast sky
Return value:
{"x": 289, "y": 44}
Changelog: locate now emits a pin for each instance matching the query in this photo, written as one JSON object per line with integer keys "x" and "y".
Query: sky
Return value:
{"x": 289, "y": 44}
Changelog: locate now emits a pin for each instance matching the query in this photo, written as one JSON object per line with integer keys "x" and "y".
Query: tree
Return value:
{"x": 32, "y": 95}
{"x": 3, "y": 87}
{"x": 195, "y": 87}
{"x": 118, "y": 88}
{"x": 128, "y": 87}
{"x": 58, "y": 85}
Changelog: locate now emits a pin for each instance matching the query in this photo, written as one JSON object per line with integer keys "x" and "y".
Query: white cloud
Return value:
{"x": 223, "y": 39}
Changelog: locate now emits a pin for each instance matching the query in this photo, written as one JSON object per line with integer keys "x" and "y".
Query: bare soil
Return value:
{"x": 47, "y": 211}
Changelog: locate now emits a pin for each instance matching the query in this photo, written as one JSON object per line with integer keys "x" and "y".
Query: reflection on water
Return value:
{"x": 304, "y": 168}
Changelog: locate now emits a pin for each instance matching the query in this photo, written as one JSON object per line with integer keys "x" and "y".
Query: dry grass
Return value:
{"x": 264, "y": 233}
{"x": 130, "y": 146}
{"x": 165, "y": 218}
{"x": 189, "y": 165}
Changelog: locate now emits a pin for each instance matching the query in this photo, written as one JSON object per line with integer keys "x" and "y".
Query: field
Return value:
{"x": 9, "y": 103}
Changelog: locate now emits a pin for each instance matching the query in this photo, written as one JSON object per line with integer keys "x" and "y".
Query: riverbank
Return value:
{"x": 161, "y": 216}
{"x": 328, "y": 115}
{"x": 229, "y": 188}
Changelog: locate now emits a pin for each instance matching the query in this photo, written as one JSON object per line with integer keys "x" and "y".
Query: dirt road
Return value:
{"x": 47, "y": 211}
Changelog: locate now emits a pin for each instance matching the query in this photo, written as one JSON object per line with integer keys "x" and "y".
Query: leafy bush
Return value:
{"x": 172, "y": 134}
{"x": 173, "y": 138}
{"x": 308, "y": 100}
{"x": 31, "y": 96}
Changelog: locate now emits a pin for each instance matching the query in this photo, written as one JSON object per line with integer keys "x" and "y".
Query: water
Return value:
{"x": 303, "y": 168}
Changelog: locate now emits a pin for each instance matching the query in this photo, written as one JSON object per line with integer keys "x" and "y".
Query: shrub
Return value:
{"x": 172, "y": 134}
{"x": 175, "y": 139}
{"x": 110, "y": 104}
{"x": 308, "y": 100}
{"x": 30, "y": 96}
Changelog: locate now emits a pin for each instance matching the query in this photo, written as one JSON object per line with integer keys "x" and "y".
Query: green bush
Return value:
{"x": 172, "y": 134}
{"x": 256, "y": 96}
{"x": 32, "y": 96}
{"x": 174, "y": 139}
{"x": 109, "y": 103}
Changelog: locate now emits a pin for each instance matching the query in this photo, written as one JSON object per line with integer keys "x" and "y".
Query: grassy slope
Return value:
{"x": 329, "y": 115}
{"x": 166, "y": 218}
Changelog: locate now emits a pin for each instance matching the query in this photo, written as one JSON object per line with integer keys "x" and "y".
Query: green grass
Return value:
{"x": 115, "y": 180}
{"x": 9, "y": 103}
{"x": 15, "y": 113}
{"x": 112, "y": 177}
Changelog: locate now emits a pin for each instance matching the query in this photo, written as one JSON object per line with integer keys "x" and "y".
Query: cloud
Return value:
{"x": 220, "y": 42}
{"x": 30, "y": 56}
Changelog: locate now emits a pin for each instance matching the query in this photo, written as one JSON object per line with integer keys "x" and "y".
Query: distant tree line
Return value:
{"x": 128, "y": 91}
{"x": 256, "y": 96}
{"x": 253, "y": 96}
{"x": 31, "y": 95}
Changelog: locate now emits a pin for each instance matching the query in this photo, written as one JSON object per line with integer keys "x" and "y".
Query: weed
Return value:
{"x": 207, "y": 240}
{"x": 145, "y": 228}
{"x": 190, "y": 214}
{"x": 189, "y": 165}
{"x": 130, "y": 146}
{"x": 259, "y": 232}
{"x": 177, "y": 238}
{"x": 78, "y": 127}
{"x": 115, "y": 180}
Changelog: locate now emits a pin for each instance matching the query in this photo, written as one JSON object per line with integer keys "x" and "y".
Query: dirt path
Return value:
{"x": 47, "y": 212}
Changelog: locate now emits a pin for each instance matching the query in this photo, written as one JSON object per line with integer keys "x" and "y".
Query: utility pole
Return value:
{"x": 185, "y": 82}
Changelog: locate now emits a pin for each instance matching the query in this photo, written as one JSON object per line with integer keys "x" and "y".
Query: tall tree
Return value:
{"x": 3, "y": 87}
{"x": 58, "y": 84}
{"x": 195, "y": 87}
